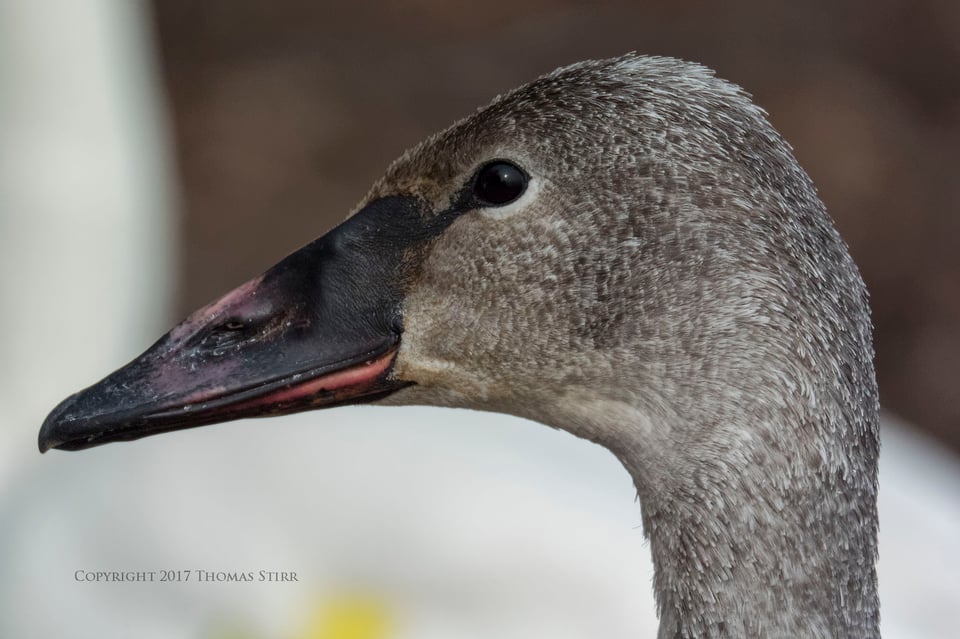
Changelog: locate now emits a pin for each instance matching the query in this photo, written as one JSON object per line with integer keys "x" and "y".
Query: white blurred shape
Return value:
{"x": 919, "y": 535}
{"x": 85, "y": 224}
{"x": 467, "y": 525}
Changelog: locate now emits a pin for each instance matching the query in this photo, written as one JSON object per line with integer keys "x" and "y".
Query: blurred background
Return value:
{"x": 156, "y": 154}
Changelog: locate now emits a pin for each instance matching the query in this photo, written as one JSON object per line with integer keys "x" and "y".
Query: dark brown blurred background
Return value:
{"x": 286, "y": 110}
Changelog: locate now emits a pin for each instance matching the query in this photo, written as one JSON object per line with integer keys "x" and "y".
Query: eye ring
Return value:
{"x": 499, "y": 182}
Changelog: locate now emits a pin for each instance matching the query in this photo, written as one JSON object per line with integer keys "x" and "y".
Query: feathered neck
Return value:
{"x": 757, "y": 528}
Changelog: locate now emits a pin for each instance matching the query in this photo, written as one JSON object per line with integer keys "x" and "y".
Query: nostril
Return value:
{"x": 233, "y": 325}
{"x": 233, "y": 332}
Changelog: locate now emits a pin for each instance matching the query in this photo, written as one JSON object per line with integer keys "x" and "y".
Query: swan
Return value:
{"x": 624, "y": 249}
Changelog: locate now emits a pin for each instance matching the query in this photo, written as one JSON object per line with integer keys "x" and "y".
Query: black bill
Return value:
{"x": 321, "y": 328}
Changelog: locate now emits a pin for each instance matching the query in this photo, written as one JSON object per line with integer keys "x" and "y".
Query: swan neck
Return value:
{"x": 749, "y": 540}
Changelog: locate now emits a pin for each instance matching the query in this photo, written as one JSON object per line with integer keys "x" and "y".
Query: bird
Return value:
{"x": 624, "y": 249}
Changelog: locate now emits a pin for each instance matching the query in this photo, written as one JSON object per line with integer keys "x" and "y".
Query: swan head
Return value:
{"x": 624, "y": 249}
{"x": 627, "y": 235}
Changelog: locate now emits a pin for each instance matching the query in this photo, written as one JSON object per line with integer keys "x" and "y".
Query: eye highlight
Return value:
{"x": 499, "y": 182}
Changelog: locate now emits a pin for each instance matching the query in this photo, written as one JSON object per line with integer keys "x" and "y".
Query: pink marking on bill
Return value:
{"x": 350, "y": 377}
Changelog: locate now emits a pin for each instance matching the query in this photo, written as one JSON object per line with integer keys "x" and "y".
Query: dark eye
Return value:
{"x": 499, "y": 183}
